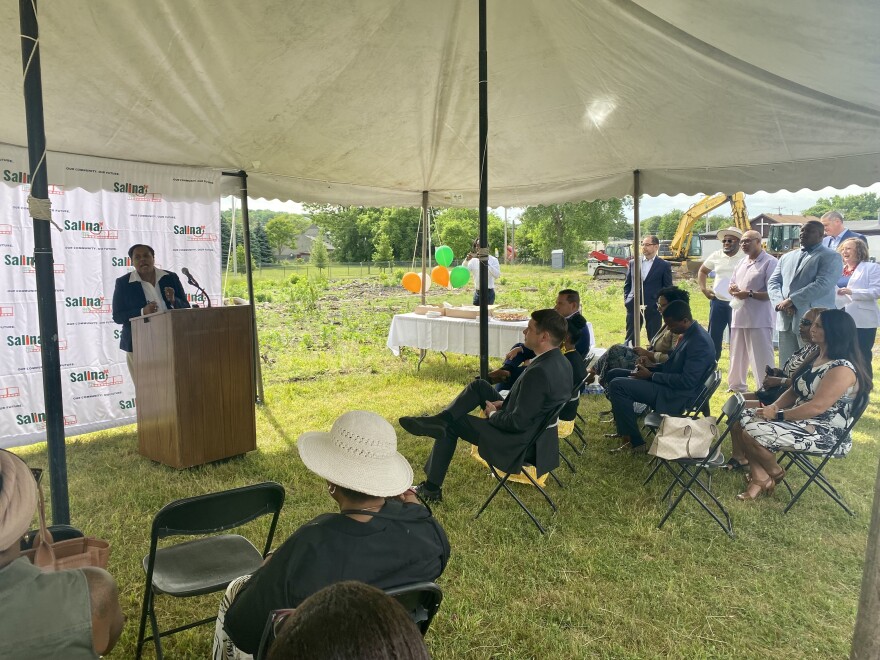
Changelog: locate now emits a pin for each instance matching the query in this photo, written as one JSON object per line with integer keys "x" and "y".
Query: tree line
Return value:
{"x": 364, "y": 234}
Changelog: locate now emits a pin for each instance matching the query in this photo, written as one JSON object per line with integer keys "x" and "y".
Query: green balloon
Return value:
{"x": 443, "y": 255}
{"x": 459, "y": 276}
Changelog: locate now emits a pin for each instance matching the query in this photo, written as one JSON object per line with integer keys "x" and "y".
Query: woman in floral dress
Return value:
{"x": 811, "y": 414}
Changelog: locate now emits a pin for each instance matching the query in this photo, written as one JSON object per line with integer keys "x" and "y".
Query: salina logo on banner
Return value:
{"x": 94, "y": 230}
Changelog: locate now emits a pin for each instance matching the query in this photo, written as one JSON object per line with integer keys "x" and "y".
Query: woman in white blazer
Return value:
{"x": 858, "y": 291}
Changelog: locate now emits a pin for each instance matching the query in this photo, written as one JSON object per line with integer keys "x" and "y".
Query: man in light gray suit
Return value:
{"x": 803, "y": 279}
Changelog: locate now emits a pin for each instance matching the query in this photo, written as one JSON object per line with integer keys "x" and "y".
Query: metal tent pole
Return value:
{"x": 246, "y": 230}
{"x": 424, "y": 224}
{"x": 484, "y": 195}
{"x": 44, "y": 263}
{"x": 637, "y": 263}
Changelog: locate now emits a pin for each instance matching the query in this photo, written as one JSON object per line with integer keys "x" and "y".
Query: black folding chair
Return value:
{"x": 686, "y": 471}
{"x": 208, "y": 564}
{"x": 804, "y": 461}
{"x": 652, "y": 419}
{"x": 575, "y": 396}
{"x": 549, "y": 421}
{"x": 422, "y": 601}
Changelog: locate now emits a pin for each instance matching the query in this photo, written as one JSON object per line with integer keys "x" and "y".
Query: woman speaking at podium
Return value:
{"x": 146, "y": 290}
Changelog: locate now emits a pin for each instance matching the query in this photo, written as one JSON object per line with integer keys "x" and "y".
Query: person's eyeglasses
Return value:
{"x": 729, "y": 240}
{"x": 806, "y": 323}
{"x": 743, "y": 241}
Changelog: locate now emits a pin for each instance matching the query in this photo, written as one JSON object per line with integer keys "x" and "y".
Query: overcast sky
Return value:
{"x": 790, "y": 203}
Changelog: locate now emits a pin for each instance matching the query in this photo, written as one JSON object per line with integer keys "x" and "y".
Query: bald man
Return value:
{"x": 751, "y": 328}
{"x": 69, "y": 614}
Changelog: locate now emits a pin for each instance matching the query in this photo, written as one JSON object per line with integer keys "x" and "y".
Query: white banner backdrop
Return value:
{"x": 175, "y": 210}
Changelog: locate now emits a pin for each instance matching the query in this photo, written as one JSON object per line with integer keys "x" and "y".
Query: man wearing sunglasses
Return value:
{"x": 723, "y": 262}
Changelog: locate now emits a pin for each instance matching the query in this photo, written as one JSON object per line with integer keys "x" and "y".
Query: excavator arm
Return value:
{"x": 681, "y": 242}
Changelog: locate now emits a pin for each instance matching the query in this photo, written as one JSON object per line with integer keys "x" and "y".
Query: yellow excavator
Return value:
{"x": 679, "y": 248}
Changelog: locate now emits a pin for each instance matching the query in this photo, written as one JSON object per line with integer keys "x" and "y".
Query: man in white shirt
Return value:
{"x": 723, "y": 262}
{"x": 472, "y": 263}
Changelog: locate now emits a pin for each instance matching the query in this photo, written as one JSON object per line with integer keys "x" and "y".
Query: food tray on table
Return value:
{"x": 510, "y": 314}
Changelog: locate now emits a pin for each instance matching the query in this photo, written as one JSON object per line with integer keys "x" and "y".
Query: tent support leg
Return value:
{"x": 246, "y": 230}
{"x": 44, "y": 262}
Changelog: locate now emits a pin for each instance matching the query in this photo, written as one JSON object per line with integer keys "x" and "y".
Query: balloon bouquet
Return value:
{"x": 441, "y": 274}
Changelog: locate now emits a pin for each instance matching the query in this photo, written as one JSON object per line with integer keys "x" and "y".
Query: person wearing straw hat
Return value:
{"x": 69, "y": 614}
{"x": 723, "y": 262}
{"x": 381, "y": 535}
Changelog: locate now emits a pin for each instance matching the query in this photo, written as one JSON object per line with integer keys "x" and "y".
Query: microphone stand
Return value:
{"x": 192, "y": 282}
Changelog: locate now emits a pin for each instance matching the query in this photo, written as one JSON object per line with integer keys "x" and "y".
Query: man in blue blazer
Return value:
{"x": 656, "y": 274}
{"x": 145, "y": 290}
{"x": 835, "y": 232}
{"x": 803, "y": 279}
{"x": 669, "y": 387}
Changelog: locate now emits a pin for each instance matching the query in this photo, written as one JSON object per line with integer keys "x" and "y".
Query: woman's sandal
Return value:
{"x": 733, "y": 465}
{"x": 765, "y": 488}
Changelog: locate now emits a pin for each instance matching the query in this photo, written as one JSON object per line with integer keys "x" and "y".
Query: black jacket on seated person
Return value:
{"x": 404, "y": 546}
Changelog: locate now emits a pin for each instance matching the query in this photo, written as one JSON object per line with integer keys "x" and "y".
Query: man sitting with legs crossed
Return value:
{"x": 669, "y": 387}
{"x": 509, "y": 424}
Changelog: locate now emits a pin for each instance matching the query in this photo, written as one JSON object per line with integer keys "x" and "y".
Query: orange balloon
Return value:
{"x": 412, "y": 282}
{"x": 440, "y": 275}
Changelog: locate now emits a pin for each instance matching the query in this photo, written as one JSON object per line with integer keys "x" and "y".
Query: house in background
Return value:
{"x": 302, "y": 248}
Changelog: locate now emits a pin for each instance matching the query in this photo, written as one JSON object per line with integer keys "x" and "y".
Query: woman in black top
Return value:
{"x": 381, "y": 535}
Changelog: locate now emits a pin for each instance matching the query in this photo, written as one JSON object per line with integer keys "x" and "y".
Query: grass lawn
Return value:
{"x": 604, "y": 582}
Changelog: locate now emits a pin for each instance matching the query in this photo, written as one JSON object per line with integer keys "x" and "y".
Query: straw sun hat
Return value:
{"x": 359, "y": 453}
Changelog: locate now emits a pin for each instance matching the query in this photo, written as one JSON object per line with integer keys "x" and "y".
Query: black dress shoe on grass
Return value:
{"x": 428, "y": 495}
{"x": 432, "y": 427}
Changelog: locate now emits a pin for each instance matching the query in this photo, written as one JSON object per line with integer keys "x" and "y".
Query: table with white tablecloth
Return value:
{"x": 452, "y": 335}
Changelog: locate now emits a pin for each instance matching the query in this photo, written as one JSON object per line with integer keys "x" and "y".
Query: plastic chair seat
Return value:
{"x": 204, "y": 565}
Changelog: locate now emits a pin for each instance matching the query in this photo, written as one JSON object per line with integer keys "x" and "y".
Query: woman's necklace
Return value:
{"x": 848, "y": 270}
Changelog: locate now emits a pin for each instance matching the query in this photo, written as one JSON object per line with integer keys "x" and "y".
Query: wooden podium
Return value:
{"x": 194, "y": 377}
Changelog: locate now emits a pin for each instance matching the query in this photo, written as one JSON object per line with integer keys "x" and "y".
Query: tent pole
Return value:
{"x": 44, "y": 263}
{"x": 246, "y": 230}
{"x": 637, "y": 263}
{"x": 484, "y": 195}
{"x": 424, "y": 243}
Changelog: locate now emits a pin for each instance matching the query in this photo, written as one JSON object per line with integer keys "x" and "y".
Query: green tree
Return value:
{"x": 458, "y": 228}
{"x": 350, "y": 228}
{"x": 384, "y": 252}
{"x": 319, "y": 256}
{"x": 566, "y": 226}
{"x": 853, "y": 207}
{"x": 281, "y": 232}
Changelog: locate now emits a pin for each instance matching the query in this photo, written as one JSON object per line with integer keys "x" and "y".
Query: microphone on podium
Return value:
{"x": 193, "y": 282}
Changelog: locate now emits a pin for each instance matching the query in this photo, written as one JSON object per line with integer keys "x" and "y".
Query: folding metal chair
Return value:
{"x": 421, "y": 600}
{"x": 652, "y": 419}
{"x": 804, "y": 461}
{"x": 548, "y": 422}
{"x": 686, "y": 471}
{"x": 208, "y": 564}
{"x": 575, "y": 396}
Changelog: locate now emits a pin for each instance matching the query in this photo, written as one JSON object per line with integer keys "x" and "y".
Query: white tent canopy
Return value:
{"x": 373, "y": 101}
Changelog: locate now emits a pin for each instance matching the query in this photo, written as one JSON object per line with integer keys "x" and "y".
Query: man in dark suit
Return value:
{"x": 568, "y": 304}
{"x": 145, "y": 290}
{"x": 656, "y": 274}
{"x": 835, "y": 232}
{"x": 669, "y": 387}
{"x": 509, "y": 424}
{"x": 803, "y": 279}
